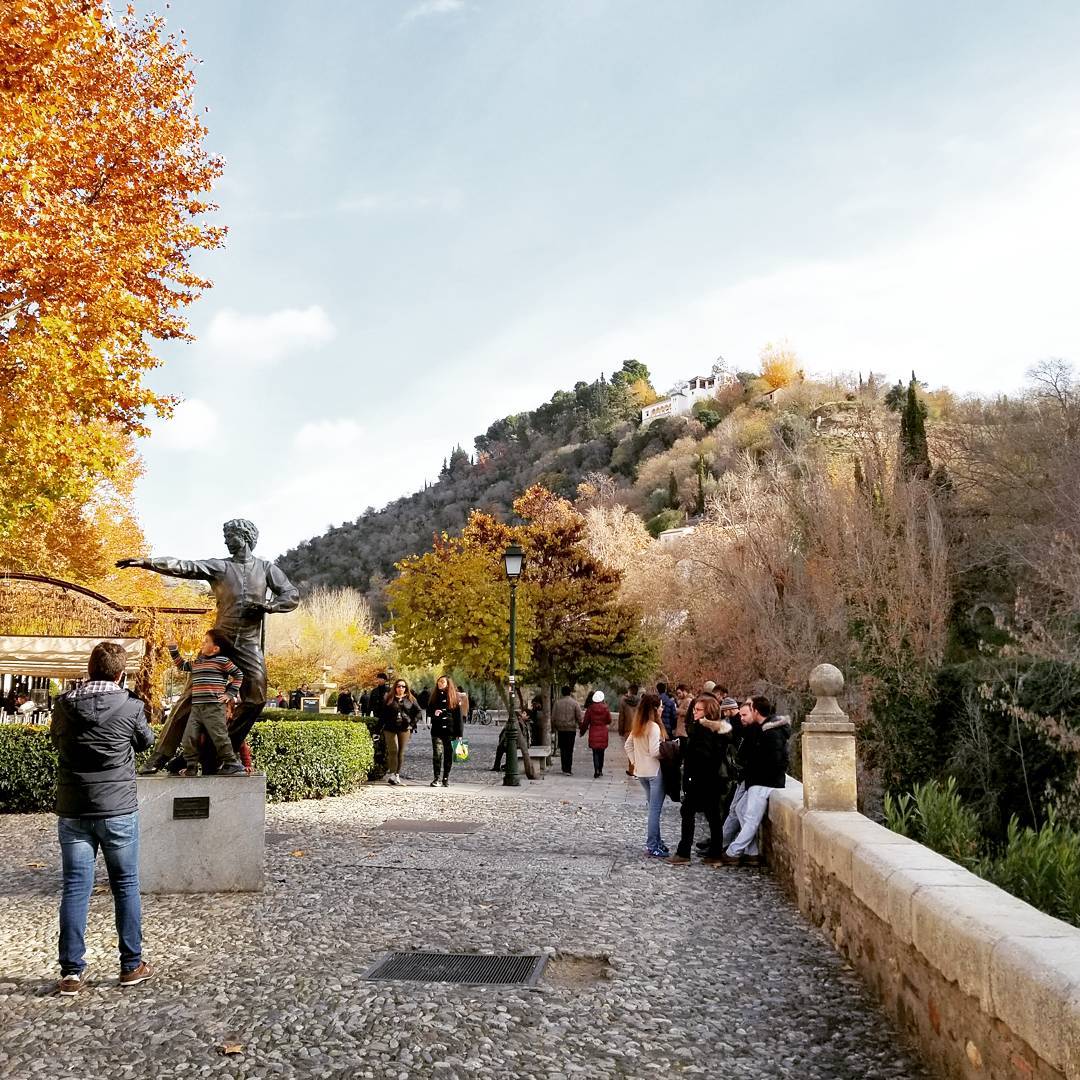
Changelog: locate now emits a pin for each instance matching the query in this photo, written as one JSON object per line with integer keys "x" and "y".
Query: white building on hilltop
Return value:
{"x": 685, "y": 395}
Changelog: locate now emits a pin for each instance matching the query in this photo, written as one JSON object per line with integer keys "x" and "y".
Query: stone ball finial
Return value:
{"x": 826, "y": 680}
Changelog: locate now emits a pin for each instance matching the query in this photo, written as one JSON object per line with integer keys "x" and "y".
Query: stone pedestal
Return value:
{"x": 828, "y": 746}
{"x": 201, "y": 834}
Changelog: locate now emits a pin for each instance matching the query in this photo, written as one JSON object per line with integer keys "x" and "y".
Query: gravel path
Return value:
{"x": 653, "y": 971}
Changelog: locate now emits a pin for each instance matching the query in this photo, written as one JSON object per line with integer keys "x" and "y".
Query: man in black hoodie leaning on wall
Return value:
{"x": 762, "y": 759}
{"x": 97, "y": 729}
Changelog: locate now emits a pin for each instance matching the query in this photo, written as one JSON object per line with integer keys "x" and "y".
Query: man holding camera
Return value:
{"x": 97, "y": 729}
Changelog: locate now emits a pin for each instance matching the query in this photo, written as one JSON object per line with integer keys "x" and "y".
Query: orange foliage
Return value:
{"x": 779, "y": 366}
{"x": 100, "y": 212}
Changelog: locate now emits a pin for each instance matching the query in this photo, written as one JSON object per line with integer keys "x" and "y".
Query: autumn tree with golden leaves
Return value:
{"x": 102, "y": 179}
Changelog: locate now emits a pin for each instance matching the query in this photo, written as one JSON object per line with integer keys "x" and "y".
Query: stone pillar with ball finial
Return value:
{"x": 828, "y": 746}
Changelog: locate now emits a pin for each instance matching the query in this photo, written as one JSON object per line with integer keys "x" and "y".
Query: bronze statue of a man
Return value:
{"x": 242, "y": 585}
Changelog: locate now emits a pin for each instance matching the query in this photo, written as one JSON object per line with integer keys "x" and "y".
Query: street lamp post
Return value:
{"x": 513, "y": 562}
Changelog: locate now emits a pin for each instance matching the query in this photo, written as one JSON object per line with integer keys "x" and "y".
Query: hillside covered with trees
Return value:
{"x": 589, "y": 435}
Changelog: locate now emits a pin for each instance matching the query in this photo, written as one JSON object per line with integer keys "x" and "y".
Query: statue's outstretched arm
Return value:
{"x": 201, "y": 569}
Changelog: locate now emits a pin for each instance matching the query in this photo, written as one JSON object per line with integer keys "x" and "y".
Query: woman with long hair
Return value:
{"x": 643, "y": 750}
{"x": 706, "y": 763}
{"x": 398, "y": 716}
{"x": 444, "y": 712}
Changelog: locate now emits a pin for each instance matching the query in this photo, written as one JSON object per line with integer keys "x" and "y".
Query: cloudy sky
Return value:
{"x": 441, "y": 211}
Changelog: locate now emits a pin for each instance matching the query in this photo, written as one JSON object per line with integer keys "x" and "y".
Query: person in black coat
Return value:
{"x": 707, "y": 773}
{"x": 97, "y": 729}
{"x": 444, "y": 712}
{"x": 346, "y": 703}
{"x": 378, "y": 693}
{"x": 398, "y": 717}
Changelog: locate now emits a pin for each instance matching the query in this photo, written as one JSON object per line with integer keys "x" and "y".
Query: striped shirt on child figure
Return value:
{"x": 211, "y": 676}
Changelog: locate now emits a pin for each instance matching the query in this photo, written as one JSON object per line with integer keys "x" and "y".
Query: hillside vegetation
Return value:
{"x": 589, "y": 435}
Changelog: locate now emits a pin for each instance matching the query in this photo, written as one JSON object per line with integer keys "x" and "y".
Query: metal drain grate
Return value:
{"x": 468, "y": 969}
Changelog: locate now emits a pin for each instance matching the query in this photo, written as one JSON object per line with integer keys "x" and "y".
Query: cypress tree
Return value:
{"x": 699, "y": 502}
{"x": 914, "y": 449}
{"x": 673, "y": 491}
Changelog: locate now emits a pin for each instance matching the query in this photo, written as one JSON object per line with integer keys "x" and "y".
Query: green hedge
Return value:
{"x": 312, "y": 759}
{"x": 27, "y": 769}
{"x": 308, "y": 760}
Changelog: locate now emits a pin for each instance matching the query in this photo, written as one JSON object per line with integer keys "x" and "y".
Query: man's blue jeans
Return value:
{"x": 118, "y": 838}
{"x": 654, "y": 793}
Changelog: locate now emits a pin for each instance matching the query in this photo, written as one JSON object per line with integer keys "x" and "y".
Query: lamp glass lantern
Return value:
{"x": 513, "y": 562}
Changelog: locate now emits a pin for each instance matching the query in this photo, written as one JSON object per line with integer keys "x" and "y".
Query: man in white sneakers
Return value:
{"x": 762, "y": 759}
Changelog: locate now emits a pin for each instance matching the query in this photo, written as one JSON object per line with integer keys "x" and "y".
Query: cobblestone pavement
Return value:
{"x": 653, "y": 970}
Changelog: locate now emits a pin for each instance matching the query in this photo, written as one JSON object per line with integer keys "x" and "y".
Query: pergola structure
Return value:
{"x": 48, "y": 628}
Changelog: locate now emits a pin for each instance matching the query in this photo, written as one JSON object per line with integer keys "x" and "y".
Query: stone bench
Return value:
{"x": 540, "y": 755}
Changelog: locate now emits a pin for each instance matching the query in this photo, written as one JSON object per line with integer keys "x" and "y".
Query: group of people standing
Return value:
{"x": 399, "y": 712}
{"x": 715, "y": 756}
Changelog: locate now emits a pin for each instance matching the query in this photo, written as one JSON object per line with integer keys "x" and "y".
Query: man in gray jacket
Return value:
{"x": 97, "y": 730}
{"x": 566, "y": 717}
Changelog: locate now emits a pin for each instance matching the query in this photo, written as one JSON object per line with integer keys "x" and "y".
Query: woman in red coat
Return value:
{"x": 596, "y": 721}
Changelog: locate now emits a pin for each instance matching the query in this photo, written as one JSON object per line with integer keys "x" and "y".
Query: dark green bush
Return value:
{"x": 934, "y": 815}
{"x": 312, "y": 759}
{"x": 277, "y": 715}
{"x": 1040, "y": 866}
{"x": 27, "y": 769}
{"x": 308, "y": 760}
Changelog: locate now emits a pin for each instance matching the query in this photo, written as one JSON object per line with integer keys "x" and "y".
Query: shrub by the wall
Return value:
{"x": 1040, "y": 866}
{"x": 27, "y": 769}
{"x": 312, "y": 759}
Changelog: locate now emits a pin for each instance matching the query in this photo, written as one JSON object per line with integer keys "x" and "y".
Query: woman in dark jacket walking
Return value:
{"x": 444, "y": 712}
{"x": 398, "y": 716}
{"x": 596, "y": 721}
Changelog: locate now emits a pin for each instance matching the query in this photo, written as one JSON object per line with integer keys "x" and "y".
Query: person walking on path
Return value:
{"x": 566, "y": 718}
{"x": 346, "y": 703}
{"x": 643, "y": 750}
{"x": 398, "y": 715}
{"x": 378, "y": 694}
{"x": 668, "y": 709}
{"x": 762, "y": 759}
{"x": 628, "y": 707}
{"x": 706, "y": 775}
{"x": 444, "y": 712}
{"x": 595, "y": 723}
{"x": 215, "y": 692}
{"x": 97, "y": 729}
{"x": 684, "y": 710}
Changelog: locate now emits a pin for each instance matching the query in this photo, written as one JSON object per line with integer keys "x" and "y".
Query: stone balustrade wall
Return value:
{"x": 983, "y": 983}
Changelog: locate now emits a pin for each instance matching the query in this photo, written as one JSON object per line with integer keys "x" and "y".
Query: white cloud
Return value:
{"x": 265, "y": 339}
{"x": 427, "y": 8}
{"x": 327, "y": 435}
{"x": 370, "y": 203}
{"x": 193, "y": 426}
{"x": 970, "y": 299}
